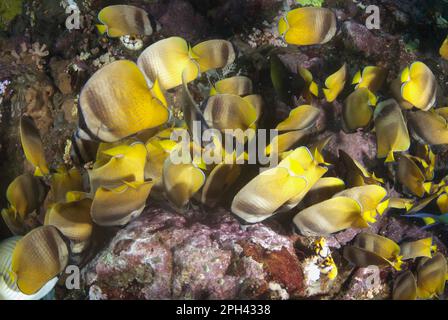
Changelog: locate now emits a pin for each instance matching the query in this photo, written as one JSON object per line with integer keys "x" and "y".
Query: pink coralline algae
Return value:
{"x": 161, "y": 255}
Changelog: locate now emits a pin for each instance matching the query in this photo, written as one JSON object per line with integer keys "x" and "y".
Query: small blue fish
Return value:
{"x": 431, "y": 220}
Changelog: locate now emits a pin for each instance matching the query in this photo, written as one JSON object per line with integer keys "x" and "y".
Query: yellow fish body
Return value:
{"x": 8, "y": 286}
{"x": 430, "y": 126}
{"x": 308, "y": 26}
{"x": 228, "y": 111}
{"x": 279, "y": 188}
{"x": 181, "y": 181}
{"x": 419, "y": 86}
{"x": 218, "y": 181}
{"x": 301, "y": 117}
{"x": 116, "y": 102}
{"x": 411, "y": 176}
{"x": 323, "y": 189}
{"x": 121, "y": 20}
{"x": 431, "y": 276}
{"x": 405, "y": 287}
{"x": 63, "y": 181}
{"x": 301, "y": 163}
{"x": 312, "y": 87}
{"x": 25, "y": 194}
{"x": 356, "y": 174}
{"x": 284, "y": 141}
{"x": 329, "y": 216}
{"x": 48, "y": 259}
{"x": 335, "y": 84}
{"x": 118, "y": 205}
{"x": 125, "y": 163}
{"x": 73, "y": 220}
{"x": 419, "y": 248}
{"x": 391, "y": 130}
{"x": 372, "y": 249}
{"x": 172, "y": 61}
{"x": 351, "y": 208}
{"x": 265, "y": 194}
{"x": 238, "y": 85}
{"x": 371, "y": 77}
{"x": 357, "y": 111}
{"x": 32, "y": 146}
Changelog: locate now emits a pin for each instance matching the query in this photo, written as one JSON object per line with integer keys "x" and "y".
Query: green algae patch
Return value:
{"x": 313, "y": 3}
{"x": 9, "y": 9}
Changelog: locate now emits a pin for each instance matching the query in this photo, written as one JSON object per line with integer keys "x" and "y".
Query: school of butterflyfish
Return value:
{"x": 123, "y": 152}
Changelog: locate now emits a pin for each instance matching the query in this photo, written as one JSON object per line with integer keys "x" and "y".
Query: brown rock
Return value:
{"x": 37, "y": 99}
{"x": 360, "y": 145}
{"x": 69, "y": 109}
{"x": 59, "y": 72}
{"x": 358, "y": 38}
{"x": 180, "y": 19}
{"x": 368, "y": 284}
{"x": 280, "y": 265}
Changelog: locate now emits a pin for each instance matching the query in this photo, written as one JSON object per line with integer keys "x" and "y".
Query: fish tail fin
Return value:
{"x": 101, "y": 28}
{"x": 157, "y": 91}
{"x": 408, "y": 206}
{"x": 327, "y": 93}
{"x": 382, "y": 207}
{"x": 38, "y": 172}
{"x": 397, "y": 263}
{"x": 429, "y": 221}
{"x": 314, "y": 88}
{"x": 381, "y": 180}
{"x": 405, "y": 75}
{"x": 283, "y": 26}
{"x": 193, "y": 54}
{"x": 433, "y": 248}
{"x": 427, "y": 186}
{"x": 390, "y": 157}
{"x": 372, "y": 98}
{"x": 357, "y": 78}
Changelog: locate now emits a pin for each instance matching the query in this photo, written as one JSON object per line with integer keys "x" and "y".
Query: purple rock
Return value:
{"x": 357, "y": 37}
{"x": 162, "y": 255}
{"x": 180, "y": 19}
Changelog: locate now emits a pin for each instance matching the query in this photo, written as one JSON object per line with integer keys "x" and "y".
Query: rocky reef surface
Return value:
{"x": 209, "y": 253}
{"x": 162, "y": 255}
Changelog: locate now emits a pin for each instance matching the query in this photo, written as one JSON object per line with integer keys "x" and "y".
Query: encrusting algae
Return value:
{"x": 125, "y": 156}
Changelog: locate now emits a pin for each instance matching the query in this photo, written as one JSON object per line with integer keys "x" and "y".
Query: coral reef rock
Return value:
{"x": 161, "y": 255}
